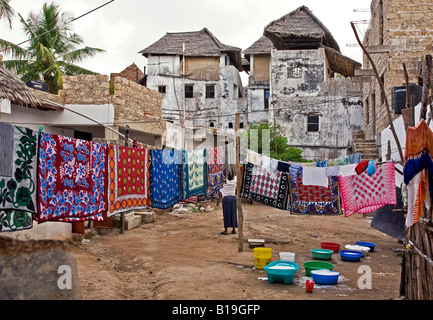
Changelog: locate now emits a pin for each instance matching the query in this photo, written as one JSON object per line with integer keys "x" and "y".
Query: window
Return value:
{"x": 212, "y": 125}
{"x": 210, "y": 91}
{"x": 313, "y": 123}
{"x": 189, "y": 91}
{"x": 162, "y": 89}
{"x": 230, "y": 125}
{"x": 267, "y": 94}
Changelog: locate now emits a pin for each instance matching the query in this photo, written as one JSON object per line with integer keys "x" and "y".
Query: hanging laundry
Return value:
{"x": 350, "y": 159}
{"x": 216, "y": 173}
{"x": 18, "y": 177}
{"x": 265, "y": 187}
{"x": 128, "y": 179}
{"x": 315, "y": 177}
{"x": 418, "y": 170}
{"x": 347, "y": 170}
{"x": 254, "y": 157}
{"x": 165, "y": 177}
{"x": 312, "y": 199}
{"x": 363, "y": 193}
{"x": 361, "y": 167}
{"x": 283, "y": 166}
{"x": 72, "y": 179}
{"x": 418, "y": 197}
{"x": 194, "y": 173}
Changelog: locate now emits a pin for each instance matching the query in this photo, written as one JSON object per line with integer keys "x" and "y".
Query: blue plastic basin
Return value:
{"x": 366, "y": 244}
{"x": 349, "y": 255}
{"x": 325, "y": 276}
{"x": 281, "y": 271}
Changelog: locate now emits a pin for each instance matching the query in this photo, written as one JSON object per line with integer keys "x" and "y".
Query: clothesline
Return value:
{"x": 361, "y": 186}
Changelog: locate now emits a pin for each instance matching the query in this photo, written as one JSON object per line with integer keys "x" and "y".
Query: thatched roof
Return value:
{"x": 300, "y": 29}
{"x": 194, "y": 44}
{"x": 262, "y": 46}
{"x": 13, "y": 89}
{"x": 340, "y": 63}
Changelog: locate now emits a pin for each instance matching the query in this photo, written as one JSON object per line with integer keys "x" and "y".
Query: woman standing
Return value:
{"x": 229, "y": 204}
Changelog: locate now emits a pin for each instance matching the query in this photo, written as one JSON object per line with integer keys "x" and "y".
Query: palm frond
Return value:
{"x": 79, "y": 55}
{"x": 15, "y": 51}
{"x": 6, "y": 11}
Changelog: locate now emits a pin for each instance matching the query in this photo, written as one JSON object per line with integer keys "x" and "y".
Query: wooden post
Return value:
{"x": 239, "y": 186}
{"x": 426, "y": 74}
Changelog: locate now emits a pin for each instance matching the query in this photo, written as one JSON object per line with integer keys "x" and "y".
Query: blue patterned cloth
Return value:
{"x": 194, "y": 173}
{"x": 165, "y": 178}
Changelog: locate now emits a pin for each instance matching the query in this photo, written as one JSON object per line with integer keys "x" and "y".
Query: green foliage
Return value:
{"x": 51, "y": 50}
{"x": 279, "y": 147}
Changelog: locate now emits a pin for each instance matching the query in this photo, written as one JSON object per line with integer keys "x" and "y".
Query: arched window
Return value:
{"x": 230, "y": 125}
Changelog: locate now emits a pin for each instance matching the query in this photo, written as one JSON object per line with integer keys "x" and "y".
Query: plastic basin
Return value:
{"x": 323, "y": 254}
{"x": 359, "y": 248}
{"x": 325, "y": 276}
{"x": 281, "y": 271}
{"x": 349, "y": 255}
{"x": 366, "y": 244}
{"x": 330, "y": 246}
{"x": 316, "y": 265}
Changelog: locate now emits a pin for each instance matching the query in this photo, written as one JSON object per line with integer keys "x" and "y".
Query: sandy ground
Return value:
{"x": 184, "y": 256}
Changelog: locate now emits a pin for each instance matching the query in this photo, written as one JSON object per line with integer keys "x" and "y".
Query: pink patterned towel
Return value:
{"x": 364, "y": 194}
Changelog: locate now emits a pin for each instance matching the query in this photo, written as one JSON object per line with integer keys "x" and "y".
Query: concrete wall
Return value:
{"x": 199, "y": 110}
{"x": 406, "y": 26}
{"x": 298, "y": 89}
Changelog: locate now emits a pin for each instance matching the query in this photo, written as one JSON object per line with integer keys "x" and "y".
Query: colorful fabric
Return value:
{"x": 194, "y": 173}
{"x": 128, "y": 179}
{"x": 313, "y": 199}
{"x": 265, "y": 187}
{"x": 363, "y": 193}
{"x": 72, "y": 178}
{"x": 418, "y": 139}
{"x": 418, "y": 197}
{"x": 165, "y": 178}
{"x": 18, "y": 177}
{"x": 216, "y": 172}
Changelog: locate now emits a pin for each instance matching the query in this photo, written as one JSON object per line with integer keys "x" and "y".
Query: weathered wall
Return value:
{"x": 299, "y": 89}
{"x": 199, "y": 110}
{"x": 406, "y": 26}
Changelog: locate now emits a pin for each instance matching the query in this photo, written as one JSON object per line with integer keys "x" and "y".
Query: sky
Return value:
{"x": 124, "y": 27}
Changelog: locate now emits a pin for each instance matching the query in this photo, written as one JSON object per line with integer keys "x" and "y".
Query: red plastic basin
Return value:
{"x": 330, "y": 246}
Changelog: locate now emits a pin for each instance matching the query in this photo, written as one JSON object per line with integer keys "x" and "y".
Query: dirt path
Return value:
{"x": 185, "y": 257}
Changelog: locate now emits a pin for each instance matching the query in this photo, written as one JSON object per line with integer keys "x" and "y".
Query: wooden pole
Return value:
{"x": 426, "y": 74}
{"x": 382, "y": 88}
{"x": 239, "y": 186}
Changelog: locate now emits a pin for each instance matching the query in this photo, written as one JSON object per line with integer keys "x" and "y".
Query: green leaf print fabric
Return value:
{"x": 18, "y": 169}
{"x": 194, "y": 173}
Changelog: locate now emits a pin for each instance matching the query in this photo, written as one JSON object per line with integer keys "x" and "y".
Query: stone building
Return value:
{"x": 399, "y": 32}
{"x": 198, "y": 77}
{"x": 310, "y": 95}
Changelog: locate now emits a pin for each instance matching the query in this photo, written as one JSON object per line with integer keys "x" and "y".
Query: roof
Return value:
{"x": 262, "y": 46}
{"x": 15, "y": 90}
{"x": 300, "y": 29}
{"x": 194, "y": 44}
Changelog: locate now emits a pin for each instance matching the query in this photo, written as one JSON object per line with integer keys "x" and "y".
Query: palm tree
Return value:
{"x": 51, "y": 51}
{"x": 6, "y": 11}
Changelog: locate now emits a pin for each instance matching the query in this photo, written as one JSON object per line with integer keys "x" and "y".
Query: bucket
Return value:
{"x": 262, "y": 257}
{"x": 287, "y": 256}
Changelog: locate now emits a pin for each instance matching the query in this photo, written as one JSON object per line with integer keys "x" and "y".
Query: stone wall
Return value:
{"x": 406, "y": 27}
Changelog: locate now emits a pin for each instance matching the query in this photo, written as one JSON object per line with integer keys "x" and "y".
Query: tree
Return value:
{"x": 51, "y": 51}
{"x": 279, "y": 147}
{"x": 6, "y": 11}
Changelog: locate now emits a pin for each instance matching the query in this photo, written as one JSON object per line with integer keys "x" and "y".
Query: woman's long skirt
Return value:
{"x": 230, "y": 212}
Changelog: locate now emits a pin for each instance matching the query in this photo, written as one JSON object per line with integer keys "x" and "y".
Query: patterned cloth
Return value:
{"x": 165, "y": 178}
{"x": 312, "y": 199}
{"x": 128, "y": 179}
{"x": 194, "y": 173}
{"x": 72, "y": 179}
{"x": 18, "y": 177}
{"x": 265, "y": 187}
{"x": 363, "y": 193}
{"x": 216, "y": 172}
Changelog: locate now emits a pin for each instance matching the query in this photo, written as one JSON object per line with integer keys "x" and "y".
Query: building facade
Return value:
{"x": 198, "y": 77}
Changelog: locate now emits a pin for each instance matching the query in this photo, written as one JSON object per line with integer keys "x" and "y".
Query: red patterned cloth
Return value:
{"x": 128, "y": 179}
{"x": 363, "y": 193}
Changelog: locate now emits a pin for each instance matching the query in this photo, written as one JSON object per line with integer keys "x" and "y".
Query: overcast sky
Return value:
{"x": 124, "y": 27}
